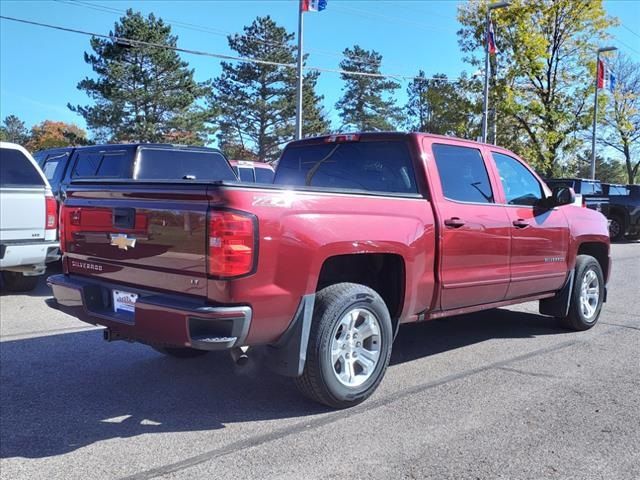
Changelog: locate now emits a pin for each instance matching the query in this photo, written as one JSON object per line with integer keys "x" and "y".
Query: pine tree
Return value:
{"x": 437, "y": 105}
{"x": 366, "y": 103}
{"x": 255, "y": 102}
{"x": 14, "y": 130}
{"x": 142, "y": 93}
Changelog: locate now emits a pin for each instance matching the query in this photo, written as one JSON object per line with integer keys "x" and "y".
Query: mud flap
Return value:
{"x": 288, "y": 356}
{"x": 558, "y": 305}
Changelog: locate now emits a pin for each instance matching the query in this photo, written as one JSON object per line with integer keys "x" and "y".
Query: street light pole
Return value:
{"x": 595, "y": 111}
{"x": 485, "y": 103}
{"x": 300, "y": 77}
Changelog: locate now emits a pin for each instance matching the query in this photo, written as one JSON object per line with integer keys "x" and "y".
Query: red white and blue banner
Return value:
{"x": 606, "y": 78}
{"x": 313, "y": 5}
{"x": 491, "y": 40}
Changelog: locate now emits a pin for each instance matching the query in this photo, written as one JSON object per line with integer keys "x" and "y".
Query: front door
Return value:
{"x": 475, "y": 234}
{"x": 540, "y": 236}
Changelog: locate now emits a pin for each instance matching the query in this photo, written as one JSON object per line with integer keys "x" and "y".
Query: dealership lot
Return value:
{"x": 499, "y": 394}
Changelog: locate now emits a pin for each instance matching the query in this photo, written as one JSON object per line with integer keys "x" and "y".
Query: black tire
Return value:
{"x": 17, "y": 282}
{"x": 616, "y": 228}
{"x": 319, "y": 381}
{"x": 180, "y": 352}
{"x": 577, "y": 319}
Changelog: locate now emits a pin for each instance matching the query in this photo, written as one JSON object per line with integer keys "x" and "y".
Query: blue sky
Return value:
{"x": 39, "y": 68}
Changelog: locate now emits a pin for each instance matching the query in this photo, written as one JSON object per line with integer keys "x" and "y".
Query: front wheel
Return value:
{"x": 587, "y": 295}
{"x": 349, "y": 346}
{"x": 616, "y": 228}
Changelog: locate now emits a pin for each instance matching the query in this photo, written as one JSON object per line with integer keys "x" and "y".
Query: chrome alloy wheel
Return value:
{"x": 355, "y": 347}
{"x": 589, "y": 294}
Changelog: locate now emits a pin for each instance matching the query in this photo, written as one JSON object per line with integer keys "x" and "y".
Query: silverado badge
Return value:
{"x": 122, "y": 241}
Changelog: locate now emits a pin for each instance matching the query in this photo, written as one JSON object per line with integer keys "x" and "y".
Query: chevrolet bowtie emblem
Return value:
{"x": 122, "y": 241}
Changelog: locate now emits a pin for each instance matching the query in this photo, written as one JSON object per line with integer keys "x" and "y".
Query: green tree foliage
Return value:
{"x": 254, "y": 103}
{"x": 608, "y": 170}
{"x": 621, "y": 118}
{"x": 545, "y": 71}
{"x": 14, "y": 130}
{"x": 142, "y": 93}
{"x": 367, "y": 103}
{"x": 440, "y": 106}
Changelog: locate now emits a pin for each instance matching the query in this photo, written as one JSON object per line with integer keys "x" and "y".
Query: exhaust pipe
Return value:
{"x": 239, "y": 356}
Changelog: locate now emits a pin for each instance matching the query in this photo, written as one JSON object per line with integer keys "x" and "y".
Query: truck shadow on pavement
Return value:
{"x": 63, "y": 392}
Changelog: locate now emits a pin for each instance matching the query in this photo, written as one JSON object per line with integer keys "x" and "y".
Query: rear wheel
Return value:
{"x": 18, "y": 282}
{"x": 349, "y": 346}
{"x": 616, "y": 228}
{"x": 180, "y": 352}
{"x": 587, "y": 295}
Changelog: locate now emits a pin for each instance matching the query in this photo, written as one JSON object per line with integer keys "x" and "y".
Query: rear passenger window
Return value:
{"x": 16, "y": 170}
{"x": 519, "y": 184}
{"x": 463, "y": 175}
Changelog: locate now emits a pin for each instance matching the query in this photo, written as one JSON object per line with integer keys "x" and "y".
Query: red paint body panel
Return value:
{"x": 484, "y": 263}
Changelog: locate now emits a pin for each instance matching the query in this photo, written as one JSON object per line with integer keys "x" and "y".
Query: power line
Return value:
{"x": 624, "y": 26}
{"x": 211, "y": 30}
{"x": 132, "y": 42}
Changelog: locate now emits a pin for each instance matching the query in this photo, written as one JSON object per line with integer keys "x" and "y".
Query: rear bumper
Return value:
{"x": 159, "y": 319}
{"x": 28, "y": 257}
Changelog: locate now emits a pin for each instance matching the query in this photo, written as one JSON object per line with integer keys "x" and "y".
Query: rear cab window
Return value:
{"x": 103, "y": 163}
{"x": 264, "y": 175}
{"x": 186, "y": 164}
{"x": 463, "y": 174}
{"x": 376, "y": 166}
{"x": 16, "y": 170}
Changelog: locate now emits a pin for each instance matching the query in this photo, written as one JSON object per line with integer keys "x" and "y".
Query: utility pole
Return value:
{"x": 485, "y": 104}
{"x": 300, "y": 77}
{"x": 595, "y": 110}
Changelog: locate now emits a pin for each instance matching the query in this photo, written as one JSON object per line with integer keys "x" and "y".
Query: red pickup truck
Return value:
{"x": 358, "y": 234}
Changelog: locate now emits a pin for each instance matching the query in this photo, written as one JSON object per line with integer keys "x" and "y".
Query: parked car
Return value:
{"x": 623, "y": 211}
{"x": 28, "y": 220}
{"x": 359, "y": 234}
{"x": 145, "y": 161}
{"x": 591, "y": 191}
{"x": 254, "y": 172}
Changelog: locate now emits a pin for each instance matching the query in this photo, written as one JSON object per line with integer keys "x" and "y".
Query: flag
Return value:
{"x": 312, "y": 5}
{"x": 491, "y": 40}
{"x": 601, "y": 69}
{"x": 606, "y": 78}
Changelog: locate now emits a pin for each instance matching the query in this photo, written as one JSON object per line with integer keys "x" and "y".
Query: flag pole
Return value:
{"x": 300, "y": 77}
{"x": 595, "y": 111}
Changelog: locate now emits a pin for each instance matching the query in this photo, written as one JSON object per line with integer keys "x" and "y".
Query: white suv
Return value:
{"x": 28, "y": 219}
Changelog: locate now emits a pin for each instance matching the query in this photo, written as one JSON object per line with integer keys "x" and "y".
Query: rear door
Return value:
{"x": 540, "y": 236}
{"x": 22, "y": 197}
{"x": 474, "y": 229}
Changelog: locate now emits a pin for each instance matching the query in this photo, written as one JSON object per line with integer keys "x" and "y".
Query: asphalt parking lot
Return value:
{"x": 499, "y": 394}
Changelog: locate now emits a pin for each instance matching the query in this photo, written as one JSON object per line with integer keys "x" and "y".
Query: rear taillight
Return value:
{"x": 51, "y": 219}
{"x": 232, "y": 243}
{"x": 584, "y": 202}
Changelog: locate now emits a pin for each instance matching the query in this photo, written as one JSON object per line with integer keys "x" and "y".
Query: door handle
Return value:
{"x": 520, "y": 223}
{"x": 454, "y": 222}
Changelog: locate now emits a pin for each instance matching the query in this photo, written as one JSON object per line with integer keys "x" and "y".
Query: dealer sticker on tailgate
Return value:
{"x": 124, "y": 301}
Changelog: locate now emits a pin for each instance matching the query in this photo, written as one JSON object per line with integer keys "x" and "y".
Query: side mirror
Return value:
{"x": 562, "y": 196}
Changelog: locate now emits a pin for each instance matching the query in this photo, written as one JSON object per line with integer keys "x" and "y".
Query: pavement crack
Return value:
{"x": 525, "y": 372}
{"x": 620, "y": 325}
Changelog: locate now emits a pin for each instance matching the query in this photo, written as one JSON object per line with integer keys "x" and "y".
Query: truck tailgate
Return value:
{"x": 146, "y": 235}
{"x": 22, "y": 214}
